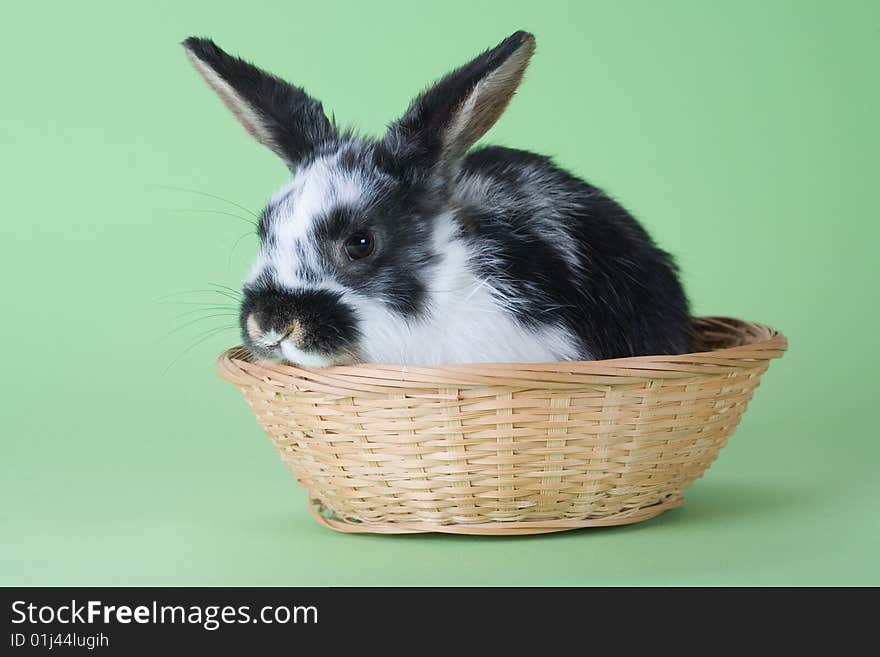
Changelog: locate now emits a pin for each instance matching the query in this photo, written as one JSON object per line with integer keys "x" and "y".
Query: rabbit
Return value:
{"x": 413, "y": 249}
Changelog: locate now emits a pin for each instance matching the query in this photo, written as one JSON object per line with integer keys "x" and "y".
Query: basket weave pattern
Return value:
{"x": 507, "y": 448}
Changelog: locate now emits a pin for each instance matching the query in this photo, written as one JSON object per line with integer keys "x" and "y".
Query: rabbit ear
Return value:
{"x": 277, "y": 114}
{"x": 448, "y": 118}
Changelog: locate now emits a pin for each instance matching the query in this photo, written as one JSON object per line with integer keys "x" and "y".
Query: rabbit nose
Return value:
{"x": 271, "y": 339}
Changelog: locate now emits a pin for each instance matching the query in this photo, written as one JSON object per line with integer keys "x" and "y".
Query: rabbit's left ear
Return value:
{"x": 448, "y": 118}
{"x": 277, "y": 114}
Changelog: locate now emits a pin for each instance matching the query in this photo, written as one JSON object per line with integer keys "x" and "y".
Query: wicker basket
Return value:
{"x": 506, "y": 448}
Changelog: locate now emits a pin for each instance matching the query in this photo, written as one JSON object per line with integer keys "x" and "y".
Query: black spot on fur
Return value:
{"x": 338, "y": 224}
{"x": 263, "y": 227}
{"x": 393, "y": 212}
{"x": 626, "y": 300}
{"x": 328, "y": 325}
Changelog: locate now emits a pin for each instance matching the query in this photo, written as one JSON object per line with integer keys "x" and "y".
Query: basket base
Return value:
{"x": 493, "y": 528}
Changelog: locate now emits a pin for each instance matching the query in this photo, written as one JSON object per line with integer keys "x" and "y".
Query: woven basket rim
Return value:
{"x": 757, "y": 343}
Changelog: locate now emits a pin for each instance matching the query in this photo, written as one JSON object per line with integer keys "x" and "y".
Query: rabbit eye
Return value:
{"x": 359, "y": 246}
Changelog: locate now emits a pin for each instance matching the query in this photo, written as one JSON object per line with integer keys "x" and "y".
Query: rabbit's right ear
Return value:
{"x": 448, "y": 118}
{"x": 277, "y": 114}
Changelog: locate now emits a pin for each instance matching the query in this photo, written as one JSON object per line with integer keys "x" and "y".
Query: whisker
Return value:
{"x": 190, "y": 323}
{"x": 214, "y": 196}
{"x": 179, "y": 294}
{"x": 226, "y": 287}
{"x": 209, "y": 335}
{"x": 221, "y": 212}
{"x": 228, "y": 310}
{"x": 198, "y": 334}
{"x": 228, "y": 293}
{"x": 234, "y": 247}
{"x": 236, "y": 296}
{"x": 195, "y": 303}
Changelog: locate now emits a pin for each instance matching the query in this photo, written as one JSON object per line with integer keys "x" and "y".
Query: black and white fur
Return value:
{"x": 489, "y": 255}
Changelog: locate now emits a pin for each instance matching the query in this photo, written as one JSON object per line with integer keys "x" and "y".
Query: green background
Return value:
{"x": 743, "y": 134}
